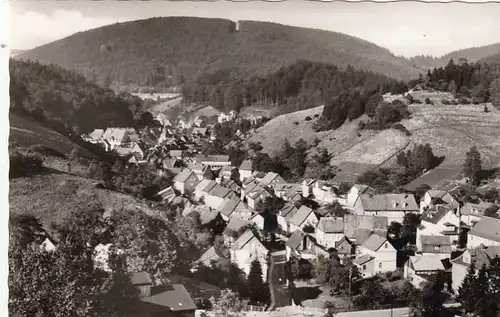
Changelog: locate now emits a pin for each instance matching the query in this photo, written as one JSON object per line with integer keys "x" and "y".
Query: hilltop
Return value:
{"x": 168, "y": 50}
{"x": 473, "y": 54}
{"x": 450, "y": 130}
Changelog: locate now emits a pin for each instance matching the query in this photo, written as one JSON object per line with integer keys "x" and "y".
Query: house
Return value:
{"x": 199, "y": 132}
{"x": 486, "y": 232}
{"x": 480, "y": 255}
{"x": 116, "y": 137}
{"x": 217, "y": 194}
{"x": 248, "y": 248}
{"x": 231, "y": 184}
{"x": 375, "y": 255}
{"x": 208, "y": 215}
{"x": 392, "y": 206}
{"x": 437, "y": 245}
{"x": 48, "y": 244}
{"x": 291, "y": 196}
{"x": 439, "y": 220}
{"x": 186, "y": 181}
{"x": 419, "y": 269}
{"x": 167, "y": 195}
{"x": 355, "y": 192}
{"x": 283, "y": 216}
{"x": 226, "y": 171}
{"x": 234, "y": 229}
{"x": 345, "y": 248}
{"x": 302, "y": 246}
{"x": 304, "y": 219}
{"x": 326, "y": 193}
{"x": 282, "y": 189}
{"x": 214, "y": 161}
{"x": 202, "y": 171}
{"x": 272, "y": 179}
{"x": 203, "y": 188}
{"x": 178, "y": 154}
{"x": 234, "y": 208}
{"x": 208, "y": 258}
{"x": 259, "y": 220}
{"x": 245, "y": 170}
{"x": 329, "y": 231}
{"x": 471, "y": 213}
{"x": 359, "y": 228}
{"x": 435, "y": 197}
{"x": 168, "y": 300}
{"x": 94, "y": 137}
{"x": 253, "y": 194}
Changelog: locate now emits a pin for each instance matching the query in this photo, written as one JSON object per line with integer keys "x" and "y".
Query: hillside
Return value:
{"x": 65, "y": 101}
{"x": 165, "y": 51}
{"x": 473, "y": 54}
{"x": 450, "y": 130}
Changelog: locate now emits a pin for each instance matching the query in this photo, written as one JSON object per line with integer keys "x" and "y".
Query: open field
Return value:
{"x": 26, "y": 132}
{"x": 166, "y": 106}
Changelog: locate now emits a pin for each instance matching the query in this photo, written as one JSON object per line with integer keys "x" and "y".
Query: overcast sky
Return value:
{"x": 404, "y": 28}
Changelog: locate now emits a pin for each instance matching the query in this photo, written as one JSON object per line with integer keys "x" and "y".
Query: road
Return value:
{"x": 396, "y": 312}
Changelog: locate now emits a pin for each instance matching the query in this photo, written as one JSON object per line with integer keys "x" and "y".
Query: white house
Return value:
{"x": 486, "y": 231}
{"x": 203, "y": 188}
{"x": 471, "y": 213}
{"x": 217, "y": 194}
{"x": 245, "y": 170}
{"x": 271, "y": 179}
{"x": 234, "y": 208}
{"x": 325, "y": 193}
{"x": 419, "y": 269}
{"x": 248, "y": 248}
{"x": 283, "y": 216}
{"x": 376, "y": 255}
{"x": 304, "y": 219}
{"x": 355, "y": 192}
{"x": 186, "y": 181}
{"x": 481, "y": 255}
{"x": 437, "y": 197}
{"x": 302, "y": 246}
{"x": 439, "y": 245}
{"x": 254, "y": 193}
{"x": 392, "y": 206}
{"x": 330, "y": 231}
{"x": 282, "y": 189}
{"x": 439, "y": 220}
{"x": 48, "y": 244}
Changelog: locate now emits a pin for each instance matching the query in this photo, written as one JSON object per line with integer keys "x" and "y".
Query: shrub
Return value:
{"x": 24, "y": 163}
{"x": 45, "y": 150}
{"x": 445, "y": 101}
{"x": 428, "y": 101}
{"x": 417, "y": 101}
{"x": 400, "y": 127}
{"x": 361, "y": 125}
{"x": 308, "y": 118}
{"x": 296, "y": 123}
{"x": 464, "y": 101}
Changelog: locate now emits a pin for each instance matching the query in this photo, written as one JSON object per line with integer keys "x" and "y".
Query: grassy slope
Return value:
{"x": 27, "y": 132}
{"x": 450, "y": 130}
{"x": 130, "y": 51}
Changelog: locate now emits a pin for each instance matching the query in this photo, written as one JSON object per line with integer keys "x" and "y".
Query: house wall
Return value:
{"x": 352, "y": 196}
{"x": 323, "y": 195}
{"x": 282, "y": 223}
{"x": 311, "y": 220}
{"x": 458, "y": 273}
{"x": 328, "y": 240}
{"x": 213, "y": 201}
{"x": 306, "y": 190}
{"x": 469, "y": 219}
{"x": 367, "y": 269}
{"x": 245, "y": 174}
{"x": 191, "y": 183}
{"x": 251, "y": 251}
{"x": 475, "y": 241}
{"x": 442, "y": 256}
{"x": 259, "y": 221}
{"x": 416, "y": 280}
{"x": 180, "y": 187}
{"x": 385, "y": 258}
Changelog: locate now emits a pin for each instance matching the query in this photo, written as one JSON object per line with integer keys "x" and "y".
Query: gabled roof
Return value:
{"x": 205, "y": 185}
{"x": 208, "y": 256}
{"x": 435, "y": 240}
{"x": 287, "y": 209}
{"x": 219, "y": 191}
{"x": 354, "y": 223}
{"x": 167, "y": 193}
{"x": 436, "y": 193}
{"x": 487, "y": 228}
{"x": 227, "y": 168}
{"x": 301, "y": 215}
{"x": 249, "y": 180}
{"x": 243, "y": 240}
{"x": 140, "y": 278}
{"x": 374, "y": 242}
{"x": 212, "y": 158}
{"x": 183, "y": 176}
{"x": 342, "y": 241}
{"x": 428, "y": 262}
{"x": 246, "y": 165}
{"x": 175, "y": 297}
{"x": 436, "y": 213}
{"x": 200, "y": 130}
{"x": 389, "y": 202}
{"x": 295, "y": 239}
{"x": 331, "y": 225}
{"x": 475, "y": 209}
{"x": 269, "y": 178}
{"x": 115, "y": 134}
{"x": 228, "y": 206}
{"x": 286, "y": 187}
{"x": 481, "y": 255}
{"x": 363, "y": 259}
{"x": 235, "y": 224}
{"x": 97, "y": 134}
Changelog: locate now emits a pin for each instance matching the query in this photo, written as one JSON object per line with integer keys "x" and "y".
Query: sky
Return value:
{"x": 406, "y": 29}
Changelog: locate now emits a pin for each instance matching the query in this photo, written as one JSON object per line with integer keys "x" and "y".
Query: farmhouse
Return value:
{"x": 439, "y": 245}
{"x": 253, "y": 194}
{"x": 234, "y": 208}
{"x": 359, "y": 228}
{"x": 246, "y": 249}
{"x": 271, "y": 179}
{"x": 330, "y": 231}
{"x": 345, "y": 248}
{"x": 486, "y": 232}
{"x": 376, "y": 255}
{"x": 439, "y": 220}
{"x": 245, "y": 170}
{"x": 302, "y": 246}
{"x": 186, "y": 181}
{"x": 392, "y": 206}
{"x": 481, "y": 255}
{"x": 437, "y": 197}
{"x": 304, "y": 219}
{"x": 471, "y": 213}
{"x": 419, "y": 269}
{"x": 355, "y": 192}
{"x": 284, "y": 218}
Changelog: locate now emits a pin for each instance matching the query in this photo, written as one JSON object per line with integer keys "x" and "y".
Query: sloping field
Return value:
{"x": 26, "y": 132}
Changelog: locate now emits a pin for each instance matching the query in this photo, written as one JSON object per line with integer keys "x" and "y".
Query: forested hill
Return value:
{"x": 473, "y": 54}
{"x": 164, "y": 51}
{"x": 65, "y": 101}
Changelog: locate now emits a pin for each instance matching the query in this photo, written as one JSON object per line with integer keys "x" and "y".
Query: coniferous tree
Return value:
{"x": 472, "y": 165}
{"x": 257, "y": 290}
{"x": 484, "y": 305}
{"x": 466, "y": 292}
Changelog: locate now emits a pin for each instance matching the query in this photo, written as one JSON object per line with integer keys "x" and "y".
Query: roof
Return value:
{"x": 246, "y": 165}
{"x": 353, "y": 223}
{"x": 301, "y": 215}
{"x": 374, "y": 242}
{"x": 361, "y": 188}
{"x": 363, "y": 259}
{"x": 269, "y": 178}
{"x": 115, "y": 134}
{"x": 176, "y": 153}
{"x": 428, "y": 262}
{"x": 167, "y": 192}
{"x": 235, "y": 224}
{"x": 436, "y": 193}
{"x": 175, "y": 297}
{"x": 331, "y": 225}
{"x": 389, "y": 202}
{"x": 140, "y": 278}
{"x": 227, "y": 168}
{"x": 435, "y": 213}
{"x": 295, "y": 239}
{"x": 208, "y": 256}
{"x": 287, "y": 209}
{"x": 212, "y": 158}
{"x": 183, "y": 176}
{"x": 200, "y": 130}
{"x": 482, "y": 255}
{"x": 246, "y": 237}
{"x": 228, "y": 206}
{"x": 207, "y": 214}
{"x": 219, "y": 191}
{"x": 475, "y": 209}
{"x": 487, "y": 228}
{"x": 287, "y": 187}
{"x": 205, "y": 184}
{"x": 96, "y": 134}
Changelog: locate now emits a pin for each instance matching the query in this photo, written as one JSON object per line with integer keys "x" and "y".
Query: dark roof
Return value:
{"x": 175, "y": 297}
{"x": 435, "y": 213}
{"x": 331, "y": 225}
{"x": 363, "y": 259}
{"x": 295, "y": 239}
{"x": 246, "y": 165}
{"x": 374, "y": 242}
{"x": 140, "y": 278}
{"x": 488, "y": 228}
{"x": 183, "y": 176}
{"x": 301, "y": 215}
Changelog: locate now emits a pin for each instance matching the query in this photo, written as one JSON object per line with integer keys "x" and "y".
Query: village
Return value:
{"x": 315, "y": 220}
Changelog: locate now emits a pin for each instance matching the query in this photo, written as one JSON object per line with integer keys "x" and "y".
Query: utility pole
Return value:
{"x": 350, "y": 277}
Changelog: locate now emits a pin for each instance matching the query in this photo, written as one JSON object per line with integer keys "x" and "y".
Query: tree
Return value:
{"x": 467, "y": 295}
{"x": 332, "y": 274}
{"x": 395, "y": 228}
{"x": 335, "y": 209}
{"x": 228, "y": 303}
{"x": 429, "y": 303}
{"x": 372, "y": 295}
{"x": 257, "y": 290}
{"x": 472, "y": 165}
{"x": 410, "y": 224}
{"x": 495, "y": 92}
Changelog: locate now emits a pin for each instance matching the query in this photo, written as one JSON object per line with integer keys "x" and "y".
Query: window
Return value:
{"x": 380, "y": 265}
{"x": 364, "y": 267}
{"x": 386, "y": 246}
{"x": 436, "y": 248}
